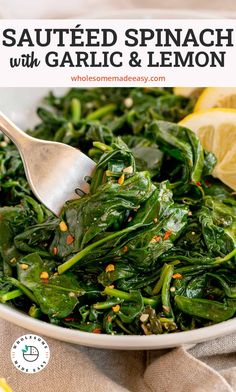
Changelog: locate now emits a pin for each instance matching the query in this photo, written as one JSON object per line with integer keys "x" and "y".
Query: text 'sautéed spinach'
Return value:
{"x": 150, "y": 250}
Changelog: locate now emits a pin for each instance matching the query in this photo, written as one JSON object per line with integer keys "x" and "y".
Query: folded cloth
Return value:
{"x": 205, "y": 367}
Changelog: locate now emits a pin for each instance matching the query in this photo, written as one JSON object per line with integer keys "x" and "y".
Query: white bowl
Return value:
{"x": 126, "y": 342}
{"x": 20, "y": 105}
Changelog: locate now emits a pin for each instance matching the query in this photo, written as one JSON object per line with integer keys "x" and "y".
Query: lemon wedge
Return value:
{"x": 216, "y": 97}
{"x": 188, "y": 91}
{"x": 4, "y": 387}
{"x": 216, "y": 128}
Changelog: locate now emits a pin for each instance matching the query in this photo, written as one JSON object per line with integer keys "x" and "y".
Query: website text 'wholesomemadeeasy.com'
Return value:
{"x": 123, "y": 79}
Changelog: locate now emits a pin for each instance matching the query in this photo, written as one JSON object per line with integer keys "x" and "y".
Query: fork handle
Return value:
{"x": 17, "y": 136}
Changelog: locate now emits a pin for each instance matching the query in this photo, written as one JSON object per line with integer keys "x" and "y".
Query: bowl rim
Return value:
{"x": 118, "y": 342}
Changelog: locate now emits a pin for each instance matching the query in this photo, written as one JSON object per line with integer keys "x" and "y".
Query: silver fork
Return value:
{"x": 55, "y": 171}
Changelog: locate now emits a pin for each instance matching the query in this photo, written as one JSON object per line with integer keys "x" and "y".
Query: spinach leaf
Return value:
{"x": 90, "y": 216}
{"x": 210, "y": 310}
{"x": 180, "y": 143}
{"x": 56, "y": 295}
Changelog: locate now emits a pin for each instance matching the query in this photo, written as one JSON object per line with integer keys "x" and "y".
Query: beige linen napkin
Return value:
{"x": 206, "y": 367}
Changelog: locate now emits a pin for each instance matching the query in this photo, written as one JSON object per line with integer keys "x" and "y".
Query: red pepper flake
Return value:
{"x": 211, "y": 297}
{"x": 44, "y": 275}
{"x": 207, "y": 183}
{"x": 167, "y": 234}
{"x": 116, "y": 308}
{"x": 121, "y": 179}
{"x": 69, "y": 319}
{"x": 198, "y": 183}
{"x": 110, "y": 268}
{"x": 156, "y": 238}
{"x": 125, "y": 249}
{"x": 96, "y": 330}
{"x": 63, "y": 226}
{"x": 55, "y": 251}
{"x": 109, "y": 319}
{"x": 69, "y": 239}
{"x": 177, "y": 276}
